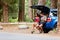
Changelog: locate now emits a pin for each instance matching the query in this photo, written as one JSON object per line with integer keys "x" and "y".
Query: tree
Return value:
{"x": 48, "y": 3}
{"x": 58, "y": 14}
{"x": 6, "y": 4}
{"x": 0, "y": 12}
{"x": 41, "y": 2}
{"x": 5, "y": 12}
{"x": 53, "y": 3}
{"x": 35, "y": 2}
{"x": 21, "y": 10}
{"x": 30, "y": 13}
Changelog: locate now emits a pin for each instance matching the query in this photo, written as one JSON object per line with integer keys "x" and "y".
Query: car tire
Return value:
{"x": 55, "y": 26}
{"x": 46, "y": 30}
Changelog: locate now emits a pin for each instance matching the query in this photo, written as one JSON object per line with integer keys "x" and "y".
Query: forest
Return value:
{"x": 19, "y": 10}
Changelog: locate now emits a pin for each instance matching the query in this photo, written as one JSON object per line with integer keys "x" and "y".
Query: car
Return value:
{"x": 51, "y": 21}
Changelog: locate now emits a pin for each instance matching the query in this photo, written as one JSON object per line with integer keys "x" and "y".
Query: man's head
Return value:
{"x": 42, "y": 14}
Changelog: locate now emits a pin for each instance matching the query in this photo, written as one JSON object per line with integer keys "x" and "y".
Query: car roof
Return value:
{"x": 53, "y": 9}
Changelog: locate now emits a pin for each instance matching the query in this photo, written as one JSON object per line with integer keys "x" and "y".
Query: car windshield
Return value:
{"x": 53, "y": 12}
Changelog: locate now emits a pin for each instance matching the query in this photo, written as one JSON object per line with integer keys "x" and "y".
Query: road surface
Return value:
{"x": 18, "y": 36}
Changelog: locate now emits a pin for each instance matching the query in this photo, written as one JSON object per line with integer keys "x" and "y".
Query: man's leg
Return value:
{"x": 41, "y": 29}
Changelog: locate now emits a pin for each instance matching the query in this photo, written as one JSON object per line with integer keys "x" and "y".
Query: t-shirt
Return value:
{"x": 43, "y": 19}
{"x": 37, "y": 19}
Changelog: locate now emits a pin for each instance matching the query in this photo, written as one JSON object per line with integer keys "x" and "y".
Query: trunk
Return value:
{"x": 1, "y": 9}
{"x": 21, "y": 10}
{"x": 34, "y": 11}
{"x": 0, "y": 17}
{"x": 0, "y": 13}
{"x": 59, "y": 14}
{"x": 5, "y": 13}
{"x": 30, "y": 10}
{"x": 41, "y": 2}
{"x": 53, "y": 3}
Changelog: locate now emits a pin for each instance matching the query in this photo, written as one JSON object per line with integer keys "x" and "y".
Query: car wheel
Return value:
{"x": 46, "y": 30}
{"x": 55, "y": 26}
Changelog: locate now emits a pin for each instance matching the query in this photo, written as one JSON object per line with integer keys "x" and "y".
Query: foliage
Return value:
{"x": 12, "y": 20}
{"x": 27, "y": 19}
{"x": 26, "y": 10}
{"x": 48, "y": 3}
{"x": 35, "y": 2}
{"x": 13, "y": 6}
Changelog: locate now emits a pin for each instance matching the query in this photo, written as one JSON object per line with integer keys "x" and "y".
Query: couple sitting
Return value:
{"x": 39, "y": 21}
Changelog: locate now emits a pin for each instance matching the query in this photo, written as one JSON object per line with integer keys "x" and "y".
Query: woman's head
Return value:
{"x": 41, "y": 14}
{"x": 37, "y": 15}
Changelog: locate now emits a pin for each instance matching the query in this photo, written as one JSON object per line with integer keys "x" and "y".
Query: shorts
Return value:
{"x": 42, "y": 23}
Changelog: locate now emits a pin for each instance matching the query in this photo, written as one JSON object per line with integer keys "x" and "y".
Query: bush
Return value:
{"x": 12, "y": 20}
{"x": 27, "y": 19}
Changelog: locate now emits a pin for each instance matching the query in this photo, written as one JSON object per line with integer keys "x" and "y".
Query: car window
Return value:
{"x": 51, "y": 14}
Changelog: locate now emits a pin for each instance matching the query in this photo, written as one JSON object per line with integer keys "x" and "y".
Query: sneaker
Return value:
{"x": 32, "y": 32}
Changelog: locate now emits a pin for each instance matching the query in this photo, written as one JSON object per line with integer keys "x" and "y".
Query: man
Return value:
{"x": 43, "y": 19}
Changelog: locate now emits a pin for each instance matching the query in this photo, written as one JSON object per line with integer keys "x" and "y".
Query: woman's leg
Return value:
{"x": 33, "y": 28}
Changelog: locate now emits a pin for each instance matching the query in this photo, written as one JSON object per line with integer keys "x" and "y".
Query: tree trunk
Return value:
{"x": 34, "y": 11}
{"x": 0, "y": 17}
{"x": 21, "y": 10}
{"x": 53, "y": 3}
{"x": 58, "y": 14}
{"x": 30, "y": 13}
{"x": 41, "y": 2}
{"x": 5, "y": 13}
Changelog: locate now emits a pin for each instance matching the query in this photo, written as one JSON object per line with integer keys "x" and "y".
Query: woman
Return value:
{"x": 36, "y": 22}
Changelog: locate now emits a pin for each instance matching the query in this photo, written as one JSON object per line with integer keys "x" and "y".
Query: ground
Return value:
{"x": 19, "y": 36}
{"x": 13, "y": 28}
